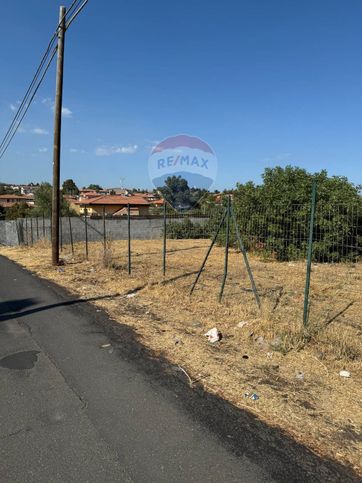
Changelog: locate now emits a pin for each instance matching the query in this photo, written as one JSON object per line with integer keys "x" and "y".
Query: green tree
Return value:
{"x": 177, "y": 192}
{"x": 43, "y": 201}
{"x": 18, "y": 210}
{"x": 275, "y": 215}
{"x": 70, "y": 188}
{"x": 95, "y": 187}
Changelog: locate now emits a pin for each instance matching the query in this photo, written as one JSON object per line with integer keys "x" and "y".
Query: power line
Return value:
{"x": 28, "y": 93}
{"x": 5, "y": 146}
{"x": 37, "y": 73}
{"x": 75, "y": 14}
{"x": 76, "y": 7}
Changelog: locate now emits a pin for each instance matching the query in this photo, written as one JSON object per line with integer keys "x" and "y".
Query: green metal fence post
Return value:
{"x": 61, "y": 232}
{"x": 71, "y": 234}
{"x": 104, "y": 229}
{"x": 86, "y": 232}
{"x": 208, "y": 251}
{"x": 31, "y": 231}
{"x": 129, "y": 237}
{"x": 26, "y": 231}
{"x": 164, "y": 239}
{"x": 37, "y": 227}
{"x": 246, "y": 261}
{"x": 309, "y": 254}
{"x": 226, "y": 250}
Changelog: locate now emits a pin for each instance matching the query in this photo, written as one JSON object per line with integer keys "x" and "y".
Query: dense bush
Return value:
{"x": 273, "y": 218}
{"x": 185, "y": 228}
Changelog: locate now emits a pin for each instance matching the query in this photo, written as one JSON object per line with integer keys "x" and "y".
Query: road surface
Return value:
{"x": 74, "y": 411}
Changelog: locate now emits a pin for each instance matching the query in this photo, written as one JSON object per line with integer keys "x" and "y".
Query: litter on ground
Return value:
{"x": 213, "y": 335}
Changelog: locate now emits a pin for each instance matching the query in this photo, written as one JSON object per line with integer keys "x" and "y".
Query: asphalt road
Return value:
{"x": 72, "y": 411}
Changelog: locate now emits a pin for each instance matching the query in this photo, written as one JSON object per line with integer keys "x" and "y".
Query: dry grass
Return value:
{"x": 323, "y": 410}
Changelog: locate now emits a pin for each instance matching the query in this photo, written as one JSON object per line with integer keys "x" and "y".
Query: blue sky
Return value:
{"x": 264, "y": 82}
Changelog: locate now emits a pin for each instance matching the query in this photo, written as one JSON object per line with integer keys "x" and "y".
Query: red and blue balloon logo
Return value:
{"x": 183, "y": 168}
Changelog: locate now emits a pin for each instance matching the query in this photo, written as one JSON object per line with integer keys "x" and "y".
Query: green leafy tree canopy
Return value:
{"x": 18, "y": 210}
{"x": 70, "y": 188}
{"x": 95, "y": 187}
{"x": 43, "y": 201}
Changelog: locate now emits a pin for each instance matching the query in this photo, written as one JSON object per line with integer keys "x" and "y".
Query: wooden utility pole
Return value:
{"x": 57, "y": 137}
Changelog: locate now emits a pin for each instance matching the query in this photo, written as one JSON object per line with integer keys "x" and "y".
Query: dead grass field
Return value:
{"x": 266, "y": 356}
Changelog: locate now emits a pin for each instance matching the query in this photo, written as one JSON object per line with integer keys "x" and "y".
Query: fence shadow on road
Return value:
{"x": 14, "y": 308}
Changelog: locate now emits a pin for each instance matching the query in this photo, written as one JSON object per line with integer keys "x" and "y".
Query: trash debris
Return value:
{"x": 345, "y": 373}
{"x": 261, "y": 342}
{"x": 186, "y": 374}
{"x": 104, "y": 346}
{"x": 130, "y": 295}
{"x": 196, "y": 324}
{"x": 242, "y": 324}
{"x": 254, "y": 397}
{"x": 213, "y": 335}
{"x": 269, "y": 355}
{"x": 275, "y": 343}
{"x": 60, "y": 269}
{"x": 299, "y": 375}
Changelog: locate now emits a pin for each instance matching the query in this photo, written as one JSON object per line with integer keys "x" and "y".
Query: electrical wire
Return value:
{"x": 5, "y": 146}
{"x": 75, "y": 14}
{"x": 76, "y": 5}
{"x": 37, "y": 73}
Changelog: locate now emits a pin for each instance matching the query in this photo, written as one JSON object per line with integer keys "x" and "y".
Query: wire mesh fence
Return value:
{"x": 279, "y": 233}
{"x": 170, "y": 246}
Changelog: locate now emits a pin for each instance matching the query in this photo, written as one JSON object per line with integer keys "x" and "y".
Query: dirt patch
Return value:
{"x": 294, "y": 371}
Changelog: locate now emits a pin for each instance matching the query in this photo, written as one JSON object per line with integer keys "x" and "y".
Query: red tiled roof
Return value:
{"x": 114, "y": 200}
{"x": 20, "y": 197}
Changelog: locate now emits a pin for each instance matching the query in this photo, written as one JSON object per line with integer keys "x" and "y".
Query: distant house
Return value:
{"x": 85, "y": 193}
{"x": 152, "y": 198}
{"x": 25, "y": 189}
{"x": 119, "y": 191}
{"x": 9, "y": 200}
{"x": 158, "y": 203}
{"x": 113, "y": 205}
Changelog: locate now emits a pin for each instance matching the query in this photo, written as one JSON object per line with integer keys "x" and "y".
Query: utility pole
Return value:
{"x": 57, "y": 139}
